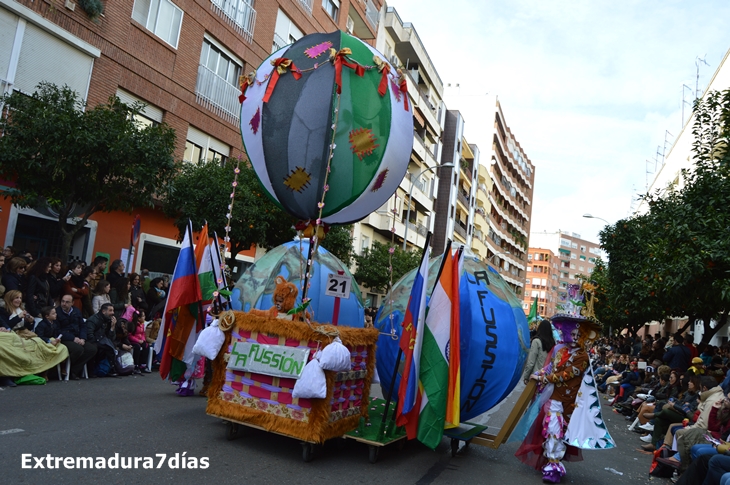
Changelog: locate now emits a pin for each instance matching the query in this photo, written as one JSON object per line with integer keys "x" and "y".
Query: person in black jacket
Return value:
{"x": 73, "y": 336}
{"x": 101, "y": 330}
{"x": 14, "y": 276}
{"x": 13, "y": 316}
{"x": 679, "y": 356}
{"x": 48, "y": 328}
{"x": 39, "y": 290}
{"x": 136, "y": 292}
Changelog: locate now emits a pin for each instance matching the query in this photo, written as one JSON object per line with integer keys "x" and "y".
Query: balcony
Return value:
{"x": 307, "y": 5}
{"x": 218, "y": 95}
{"x": 238, "y": 13}
{"x": 419, "y": 183}
{"x": 460, "y": 228}
{"x": 462, "y": 198}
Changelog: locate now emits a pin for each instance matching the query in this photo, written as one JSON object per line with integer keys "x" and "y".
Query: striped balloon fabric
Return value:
{"x": 328, "y": 127}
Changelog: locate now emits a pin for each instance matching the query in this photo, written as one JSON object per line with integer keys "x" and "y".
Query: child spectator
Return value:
{"x": 138, "y": 339}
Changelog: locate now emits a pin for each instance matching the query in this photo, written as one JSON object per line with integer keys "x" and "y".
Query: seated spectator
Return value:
{"x": 698, "y": 367}
{"x": 136, "y": 293}
{"x": 39, "y": 288}
{"x": 101, "y": 295}
{"x": 138, "y": 339}
{"x": 88, "y": 274}
{"x": 120, "y": 296}
{"x": 121, "y": 340}
{"x": 56, "y": 280}
{"x": 155, "y": 296}
{"x": 101, "y": 330}
{"x": 674, "y": 411}
{"x": 14, "y": 278}
{"x": 13, "y": 316}
{"x": 75, "y": 285}
{"x": 48, "y": 328}
{"x": 21, "y": 356}
{"x": 73, "y": 336}
{"x": 116, "y": 272}
{"x": 628, "y": 383}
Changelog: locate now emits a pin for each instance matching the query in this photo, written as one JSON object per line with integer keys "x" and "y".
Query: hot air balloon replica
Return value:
{"x": 328, "y": 128}
{"x": 494, "y": 338}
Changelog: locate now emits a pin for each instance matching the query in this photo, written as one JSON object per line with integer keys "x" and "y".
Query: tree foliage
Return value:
{"x": 339, "y": 241}
{"x": 201, "y": 192}
{"x": 675, "y": 259}
{"x": 373, "y": 265}
{"x": 82, "y": 161}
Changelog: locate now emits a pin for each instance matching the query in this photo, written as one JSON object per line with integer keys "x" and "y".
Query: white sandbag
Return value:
{"x": 312, "y": 384}
{"x": 209, "y": 341}
{"x": 336, "y": 357}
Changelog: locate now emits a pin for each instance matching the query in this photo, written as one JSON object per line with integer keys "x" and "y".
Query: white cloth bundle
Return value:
{"x": 209, "y": 341}
{"x": 336, "y": 357}
{"x": 312, "y": 384}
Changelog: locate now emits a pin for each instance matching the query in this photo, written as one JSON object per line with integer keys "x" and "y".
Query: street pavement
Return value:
{"x": 142, "y": 416}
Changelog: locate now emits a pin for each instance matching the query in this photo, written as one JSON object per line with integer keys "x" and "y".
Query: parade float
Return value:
{"x": 328, "y": 128}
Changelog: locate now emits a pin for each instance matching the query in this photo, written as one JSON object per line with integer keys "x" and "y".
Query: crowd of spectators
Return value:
{"x": 674, "y": 395}
{"x": 98, "y": 316}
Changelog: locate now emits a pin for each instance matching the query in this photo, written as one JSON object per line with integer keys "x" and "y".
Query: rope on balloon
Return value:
{"x": 229, "y": 215}
{"x": 389, "y": 291}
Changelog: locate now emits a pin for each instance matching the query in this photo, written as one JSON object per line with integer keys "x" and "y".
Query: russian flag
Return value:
{"x": 411, "y": 341}
{"x": 184, "y": 290}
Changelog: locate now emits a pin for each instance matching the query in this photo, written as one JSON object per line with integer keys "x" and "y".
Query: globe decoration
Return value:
{"x": 328, "y": 128}
{"x": 255, "y": 287}
{"x": 494, "y": 334}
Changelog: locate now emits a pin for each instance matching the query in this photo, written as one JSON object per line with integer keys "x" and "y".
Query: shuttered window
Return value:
{"x": 44, "y": 57}
{"x": 162, "y": 17}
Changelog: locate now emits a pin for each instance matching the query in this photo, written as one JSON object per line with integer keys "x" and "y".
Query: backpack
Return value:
{"x": 659, "y": 469}
{"x": 124, "y": 363}
{"x": 103, "y": 368}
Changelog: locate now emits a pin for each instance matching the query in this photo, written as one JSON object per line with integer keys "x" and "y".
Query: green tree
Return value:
{"x": 98, "y": 160}
{"x": 338, "y": 241}
{"x": 374, "y": 263}
{"x": 201, "y": 192}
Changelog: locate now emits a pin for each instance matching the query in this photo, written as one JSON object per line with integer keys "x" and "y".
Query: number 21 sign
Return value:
{"x": 338, "y": 286}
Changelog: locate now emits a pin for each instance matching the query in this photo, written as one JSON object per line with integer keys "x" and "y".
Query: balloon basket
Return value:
{"x": 266, "y": 402}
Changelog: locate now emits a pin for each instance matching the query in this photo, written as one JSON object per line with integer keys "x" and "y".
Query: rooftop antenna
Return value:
{"x": 649, "y": 171}
{"x": 684, "y": 100}
{"x": 664, "y": 150}
{"x": 698, "y": 62}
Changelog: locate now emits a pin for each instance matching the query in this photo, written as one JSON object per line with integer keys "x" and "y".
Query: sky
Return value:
{"x": 589, "y": 89}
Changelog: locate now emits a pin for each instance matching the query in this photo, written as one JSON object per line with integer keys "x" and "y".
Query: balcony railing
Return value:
{"x": 417, "y": 182}
{"x": 239, "y": 13}
{"x": 307, "y": 5}
{"x": 217, "y": 94}
{"x": 462, "y": 198}
{"x": 460, "y": 229}
{"x": 279, "y": 42}
{"x": 371, "y": 13}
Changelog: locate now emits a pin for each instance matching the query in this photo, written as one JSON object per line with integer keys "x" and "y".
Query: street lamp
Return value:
{"x": 588, "y": 216}
{"x": 410, "y": 197}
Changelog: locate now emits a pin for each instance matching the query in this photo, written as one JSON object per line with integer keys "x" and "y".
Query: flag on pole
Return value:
{"x": 434, "y": 368}
{"x": 410, "y": 342}
{"x": 184, "y": 290}
{"x": 218, "y": 268}
{"x": 453, "y": 400}
{"x": 533, "y": 311}
{"x": 206, "y": 269}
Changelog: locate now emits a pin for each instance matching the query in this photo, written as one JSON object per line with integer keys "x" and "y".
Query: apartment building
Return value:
{"x": 182, "y": 58}
{"x": 541, "y": 282}
{"x": 456, "y": 202}
{"x": 408, "y": 215}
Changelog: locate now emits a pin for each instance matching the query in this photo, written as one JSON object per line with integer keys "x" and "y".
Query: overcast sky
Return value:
{"x": 587, "y": 87}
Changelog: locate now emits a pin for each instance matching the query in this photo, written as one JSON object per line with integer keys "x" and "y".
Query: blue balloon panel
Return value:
{"x": 494, "y": 335}
{"x": 256, "y": 285}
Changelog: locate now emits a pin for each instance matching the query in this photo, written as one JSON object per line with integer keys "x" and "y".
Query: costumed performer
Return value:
{"x": 569, "y": 416}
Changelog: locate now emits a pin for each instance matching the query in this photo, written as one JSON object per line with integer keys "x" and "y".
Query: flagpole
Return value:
{"x": 201, "y": 313}
{"x": 223, "y": 273}
{"x": 400, "y": 349}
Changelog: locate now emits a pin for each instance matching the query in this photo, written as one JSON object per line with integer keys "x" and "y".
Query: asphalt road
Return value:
{"x": 142, "y": 417}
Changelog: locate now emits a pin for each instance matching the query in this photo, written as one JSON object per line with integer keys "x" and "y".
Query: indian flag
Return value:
{"x": 204, "y": 262}
{"x": 434, "y": 369}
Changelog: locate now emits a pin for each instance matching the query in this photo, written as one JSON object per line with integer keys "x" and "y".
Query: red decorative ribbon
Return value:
{"x": 404, "y": 89}
{"x": 383, "y": 86}
{"x": 281, "y": 64}
{"x": 340, "y": 60}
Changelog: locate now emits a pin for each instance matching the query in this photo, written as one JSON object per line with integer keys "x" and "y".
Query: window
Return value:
{"x": 572, "y": 266}
{"x": 582, "y": 258}
{"x": 581, "y": 268}
{"x": 332, "y": 7}
{"x": 149, "y": 115}
{"x": 285, "y": 32}
{"x": 200, "y": 147}
{"x": 529, "y": 257}
{"x": 582, "y": 249}
{"x": 218, "y": 73}
{"x": 572, "y": 256}
{"x": 162, "y": 17}
{"x": 543, "y": 282}
{"x": 529, "y": 268}
{"x": 574, "y": 245}
{"x": 239, "y": 13}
